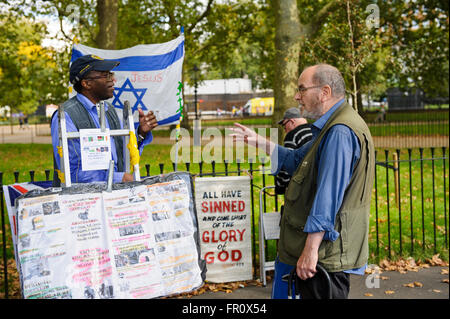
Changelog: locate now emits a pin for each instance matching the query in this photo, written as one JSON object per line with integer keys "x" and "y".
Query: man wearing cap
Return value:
{"x": 93, "y": 81}
{"x": 298, "y": 132}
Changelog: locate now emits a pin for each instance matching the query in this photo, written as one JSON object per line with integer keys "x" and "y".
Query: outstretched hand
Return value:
{"x": 243, "y": 133}
{"x": 249, "y": 136}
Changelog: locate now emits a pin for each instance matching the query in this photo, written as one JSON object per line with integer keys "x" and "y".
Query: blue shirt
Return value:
{"x": 337, "y": 156}
{"x": 76, "y": 173}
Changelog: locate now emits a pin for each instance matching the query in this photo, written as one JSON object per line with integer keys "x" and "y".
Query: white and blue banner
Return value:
{"x": 149, "y": 77}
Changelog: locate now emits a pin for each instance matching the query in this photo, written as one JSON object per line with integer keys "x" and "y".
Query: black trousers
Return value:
{"x": 317, "y": 286}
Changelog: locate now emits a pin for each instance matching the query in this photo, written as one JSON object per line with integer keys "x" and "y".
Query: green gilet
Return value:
{"x": 350, "y": 250}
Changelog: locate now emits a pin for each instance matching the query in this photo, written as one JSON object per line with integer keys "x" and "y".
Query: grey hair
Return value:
{"x": 326, "y": 74}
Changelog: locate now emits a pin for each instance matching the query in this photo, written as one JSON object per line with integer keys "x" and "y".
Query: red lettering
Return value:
{"x": 205, "y": 236}
{"x": 236, "y": 255}
{"x": 232, "y": 235}
{"x": 217, "y": 207}
{"x": 209, "y": 257}
{"x": 241, "y": 233}
{"x": 223, "y": 206}
{"x": 223, "y": 236}
{"x": 213, "y": 240}
{"x": 223, "y": 256}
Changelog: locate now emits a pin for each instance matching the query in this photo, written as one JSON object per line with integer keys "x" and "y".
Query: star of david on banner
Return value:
{"x": 128, "y": 87}
{"x": 148, "y": 76}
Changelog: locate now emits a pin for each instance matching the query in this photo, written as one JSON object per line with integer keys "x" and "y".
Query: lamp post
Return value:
{"x": 197, "y": 121}
{"x": 195, "y": 69}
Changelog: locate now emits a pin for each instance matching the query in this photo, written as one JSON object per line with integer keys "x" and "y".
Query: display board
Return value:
{"x": 138, "y": 241}
{"x": 224, "y": 213}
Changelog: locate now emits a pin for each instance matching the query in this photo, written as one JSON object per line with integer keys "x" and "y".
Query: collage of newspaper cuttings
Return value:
{"x": 130, "y": 243}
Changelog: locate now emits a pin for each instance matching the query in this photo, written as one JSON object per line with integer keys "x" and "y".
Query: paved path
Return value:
{"x": 392, "y": 285}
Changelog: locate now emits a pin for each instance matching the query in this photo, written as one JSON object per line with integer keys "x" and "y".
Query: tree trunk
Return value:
{"x": 287, "y": 49}
{"x": 185, "y": 121}
{"x": 107, "y": 11}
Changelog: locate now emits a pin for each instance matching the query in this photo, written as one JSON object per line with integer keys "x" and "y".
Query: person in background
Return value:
{"x": 298, "y": 132}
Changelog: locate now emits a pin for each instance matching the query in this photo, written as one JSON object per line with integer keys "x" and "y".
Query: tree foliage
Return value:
{"x": 238, "y": 38}
{"x": 29, "y": 73}
{"x": 417, "y": 33}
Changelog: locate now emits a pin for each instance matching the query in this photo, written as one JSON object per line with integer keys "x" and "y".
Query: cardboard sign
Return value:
{"x": 224, "y": 213}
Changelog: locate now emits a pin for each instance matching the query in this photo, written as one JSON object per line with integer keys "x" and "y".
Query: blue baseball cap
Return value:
{"x": 86, "y": 63}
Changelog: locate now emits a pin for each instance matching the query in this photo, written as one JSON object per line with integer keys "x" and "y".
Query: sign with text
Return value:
{"x": 224, "y": 213}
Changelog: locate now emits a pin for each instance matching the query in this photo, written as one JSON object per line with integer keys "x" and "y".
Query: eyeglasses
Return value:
{"x": 109, "y": 76}
{"x": 285, "y": 123}
{"x": 302, "y": 90}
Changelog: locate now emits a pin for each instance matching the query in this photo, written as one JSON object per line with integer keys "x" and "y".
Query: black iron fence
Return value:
{"x": 408, "y": 213}
{"x": 410, "y": 203}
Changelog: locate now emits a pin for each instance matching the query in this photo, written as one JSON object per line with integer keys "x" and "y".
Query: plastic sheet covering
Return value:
{"x": 140, "y": 240}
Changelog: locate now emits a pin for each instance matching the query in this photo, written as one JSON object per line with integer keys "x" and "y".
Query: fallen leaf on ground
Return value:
{"x": 368, "y": 294}
{"x": 389, "y": 292}
{"x": 444, "y": 271}
{"x": 436, "y": 290}
{"x": 409, "y": 264}
{"x": 410, "y": 285}
{"x": 445, "y": 280}
{"x": 436, "y": 261}
{"x": 418, "y": 284}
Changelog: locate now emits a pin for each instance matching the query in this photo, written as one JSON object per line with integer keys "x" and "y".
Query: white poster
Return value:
{"x": 87, "y": 270}
{"x": 174, "y": 236}
{"x": 224, "y": 213}
{"x": 41, "y": 248}
{"x": 95, "y": 148}
{"x": 132, "y": 243}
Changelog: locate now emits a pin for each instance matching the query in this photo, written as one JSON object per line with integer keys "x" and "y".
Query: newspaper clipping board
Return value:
{"x": 138, "y": 241}
{"x": 224, "y": 213}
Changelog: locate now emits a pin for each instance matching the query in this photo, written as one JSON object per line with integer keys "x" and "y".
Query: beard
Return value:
{"x": 316, "y": 109}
